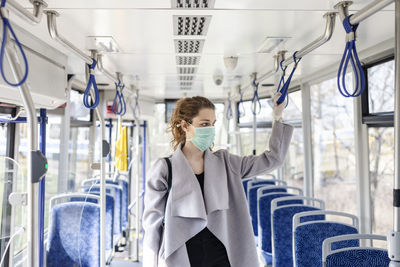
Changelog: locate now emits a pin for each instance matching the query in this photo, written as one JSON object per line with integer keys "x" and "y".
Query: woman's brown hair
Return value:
{"x": 186, "y": 109}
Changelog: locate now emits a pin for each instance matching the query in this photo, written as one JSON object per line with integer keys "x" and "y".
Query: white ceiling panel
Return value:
{"x": 144, "y": 31}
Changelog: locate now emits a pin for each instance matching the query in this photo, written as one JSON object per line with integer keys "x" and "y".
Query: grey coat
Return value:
{"x": 223, "y": 209}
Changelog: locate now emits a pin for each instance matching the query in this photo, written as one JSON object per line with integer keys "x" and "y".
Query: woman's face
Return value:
{"x": 205, "y": 118}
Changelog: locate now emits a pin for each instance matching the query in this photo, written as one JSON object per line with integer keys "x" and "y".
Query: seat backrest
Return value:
{"x": 264, "y": 218}
{"x": 354, "y": 256}
{"x": 252, "y": 195}
{"x": 309, "y": 235}
{"x": 110, "y": 224}
{"x": 68, "y": 197}
{"x": 116, "y": 192}
{"x": 72, "y": 240}
{"x": 281, "y": 226}
{"x": 125, "y": 197}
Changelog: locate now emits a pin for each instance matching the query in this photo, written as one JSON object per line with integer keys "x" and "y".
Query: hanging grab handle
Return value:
{"x": 119, "y": 104}
{"x": 241, "y": 111}
{"x": 229, "y": 112}
{"x": 92, "y": 81}
{"x": 350, "y": 55}
{"x": 255, "y": 98}
{"x": 7, "y": 26}
{"x": 285, "y": 87}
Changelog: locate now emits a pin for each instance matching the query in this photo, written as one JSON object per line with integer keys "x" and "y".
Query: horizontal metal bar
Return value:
{"x": 369, "y": 10}
{"x": 36, "y": 17}
{"x": 17, "y": 120}
{"x": 326, "y": 36}
{"x": 52, "y": 26}
{"x": 101, "y": 68}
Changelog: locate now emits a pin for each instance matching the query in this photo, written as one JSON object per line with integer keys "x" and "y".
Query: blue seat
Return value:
{"x": 109, "y": 217}
{"x": 125, "y": 197}
{"x": 282, "y": 217}
{"x": 354, "y": 256}
{"x": 264, "y": 222}
{"x": 246, "y": 181}
{"x": 112, "y": 219}
{"x": 309, "y": 236}
{"x": 72, "y": 240}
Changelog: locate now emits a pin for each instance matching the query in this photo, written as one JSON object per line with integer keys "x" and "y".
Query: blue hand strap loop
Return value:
{"x": 91, "y": 82}
{"x": 255, "y": 98}
{"x": 285, "y": 87}
{"x": 119, "y": 104}
{"x": 350, "y": 56}
{"x": 240, "y": 107}
{"x": 7, "y": 26}
{"x": 229, "y": 112}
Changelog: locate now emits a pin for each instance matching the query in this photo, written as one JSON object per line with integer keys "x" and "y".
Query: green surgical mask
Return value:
{"x": 203, "y": 137}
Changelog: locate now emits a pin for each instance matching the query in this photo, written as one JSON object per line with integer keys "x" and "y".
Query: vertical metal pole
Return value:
{"x": 394, "y": 236}
{"x": 144, "y": 148}
{"x": 63, "y": 166}
{"x": 137, "y": 188}
{"x": 42, "y": 190}
{"x": 110, "y": 126}
{"x": 255, "y": 129}
{"x": 362, "y": 171}
{"x": 33, "y": 186}
{"x": 307, "y": 141}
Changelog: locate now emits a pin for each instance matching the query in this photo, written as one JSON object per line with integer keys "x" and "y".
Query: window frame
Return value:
{"x": 377, "y": 119}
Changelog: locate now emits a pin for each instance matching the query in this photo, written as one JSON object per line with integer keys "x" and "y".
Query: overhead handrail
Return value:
{"x": 241, "y": 111}
{"x": 101, "y": 68}
{"x": 255, "y": 101}
{"x": 285, "y": 87}
{"x": 325, "y": 37}
{"x": 33, "y": 18}
{"x": 7, "y": 30}
{"x": 350, "y": 56}
{"x": 229, "y": 112}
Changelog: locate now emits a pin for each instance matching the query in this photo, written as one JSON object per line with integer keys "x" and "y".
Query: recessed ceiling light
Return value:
{"x": 271, "y": 43}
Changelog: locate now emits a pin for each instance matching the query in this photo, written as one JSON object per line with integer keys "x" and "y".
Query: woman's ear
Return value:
{"x": 184, "y": 126}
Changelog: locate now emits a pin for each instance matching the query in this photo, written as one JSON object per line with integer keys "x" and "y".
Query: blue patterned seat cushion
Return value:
{"x": 265, "y": 218}
{"x": 63, "y": 246}
{"x": 359, "y": 258}
{"x": 283, "y": 223}
{"x": 309, "y": 238}
{"x": 253, "y": 205}
{"x": 109, "y": 217}
{"x": 125, "y": 195}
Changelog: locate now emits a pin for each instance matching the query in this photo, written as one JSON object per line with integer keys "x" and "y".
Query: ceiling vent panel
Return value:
{"x": 186, "y": 70}
{"x": 186, "y": 84}
{"x": 189, "y": 46}
{"x": 191, "y": 25}
{"x": 186, "y": 78}
{"x": 187, "y": 60}
{"x": 192, "y": 4}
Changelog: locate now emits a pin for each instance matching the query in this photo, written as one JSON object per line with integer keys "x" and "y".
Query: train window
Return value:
{"x": 53, "y": 158}
{"x": 381, "y": 143}
{"x": 3, "y": 166}
{"x": 381, "y": 87}
{"x": 78, "y": 110}
{"x": 221, "y": 133}
{"x": 294, "y": 108}
{"x": 246, "y": 140}
{"x": 264, "y": 115}
{"x": 333, "y": 147}
{"x": 79, "y": 165}
{"x": 293, "y": 167}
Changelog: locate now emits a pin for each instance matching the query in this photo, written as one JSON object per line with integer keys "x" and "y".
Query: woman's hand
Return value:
{"x": 278, "y": 108}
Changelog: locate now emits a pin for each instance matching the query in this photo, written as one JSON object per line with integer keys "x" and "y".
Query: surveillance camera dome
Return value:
{"x": 218, "y": 78}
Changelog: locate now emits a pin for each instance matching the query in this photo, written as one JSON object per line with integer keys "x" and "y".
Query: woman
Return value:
{"x": 204, "y": 220}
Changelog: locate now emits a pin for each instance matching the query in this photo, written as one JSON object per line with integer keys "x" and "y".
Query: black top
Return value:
{"x": 200, "y": 178}
{"x": 205, "y": 249}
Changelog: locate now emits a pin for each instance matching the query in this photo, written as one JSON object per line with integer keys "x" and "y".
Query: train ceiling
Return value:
{"x": 168, "y": 51}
